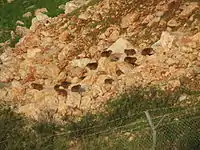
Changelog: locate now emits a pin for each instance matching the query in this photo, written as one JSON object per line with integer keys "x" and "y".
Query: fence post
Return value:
{"x": 153, "y": 129}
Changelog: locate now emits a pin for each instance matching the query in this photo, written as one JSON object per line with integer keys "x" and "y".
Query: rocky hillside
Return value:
{"x": 74, "y": 63}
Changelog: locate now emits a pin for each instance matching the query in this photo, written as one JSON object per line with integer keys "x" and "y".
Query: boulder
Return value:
{"x": 74, "y": 4}
{"x": 128, "y": 20}
{"x": 120, "y": 45}
{"x": 27, "y": 15}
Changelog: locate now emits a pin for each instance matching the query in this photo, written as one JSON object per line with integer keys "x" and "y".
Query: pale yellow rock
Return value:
{"x": 120, "y": 45}
{"x": 9, "y": 1}
{"x": 173, "y": 23}
{"x": 154, "y": 21}
{"x": 30, "y": 110}
{"x": 32, "y": 52}
{"x": 188, "y": 10}
{"x": 125, "y": 67}
{"x": 114, "y": 36}
{"x": 58, "y": 49}
{"x": 107, "y": 66}
{"x": 69, "y": 7}
{"x": 129, "y": 19}
{"x": 62, "y": 6}
{"x": 148, "y": 19}
{"x": 52, "y": 71}
{"x": 86, "y": 102}
{"x": 3, "y": 93}
{"x": 74, "y": 99}
{"x": 27, "y": 15}
{"x": 166, "y": 40}
{"x": 81, "y": 62}
{"x": 21, "y": 31}
{"x": 61, "y": 77}
{"x": 41, "y": 16}
{"x": 39, "y": 11}
{"x": 84, "y": 16}
{"x": 18, "y": 22}
{"x": 64, "y": 35}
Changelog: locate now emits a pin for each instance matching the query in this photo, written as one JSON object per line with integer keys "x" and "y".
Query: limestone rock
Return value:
{"x": 75, "y": 63}
{"x": 81, "y": 62}
{"x": 72, "y": 5}
{"x": 84, "y": 16}
{"x": 39, "y": 18}
{"x": 64, "y": 36}
{"x": 173, "y": 23}
{"x": 188, "y": 10}
{"x": 154, "y": 21}
{"x": 128, "y": 20}
{"x": 31, "y": 53}
{"x": 148, "y": 19}
{"x": 27, "y": 15}
{"x": 21, "y": 31}
{"x": 9, "y": 1}
{"x": 166, "y": 40}
{"x": 18, "y": 22}
{"x": 111, "y": 34}
{"x": 62, "y": 7}
{"x": 39, "y": 11}
{"x": 69, "y": 7}
{"x": 120, "y": 45}
{"x": 3, "y": 93}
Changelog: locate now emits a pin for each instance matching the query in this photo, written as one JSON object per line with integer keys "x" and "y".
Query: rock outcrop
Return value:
{"x": 76, "y": 62}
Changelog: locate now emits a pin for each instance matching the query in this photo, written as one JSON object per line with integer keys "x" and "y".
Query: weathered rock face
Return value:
{"x": 72, "y": 5}
{"x": 69, "y": 65}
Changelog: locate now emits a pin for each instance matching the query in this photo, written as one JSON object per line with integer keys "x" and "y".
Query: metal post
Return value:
{"x": 153, "y": 129}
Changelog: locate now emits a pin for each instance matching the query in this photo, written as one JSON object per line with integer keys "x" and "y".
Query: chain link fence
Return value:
{"x": 171, "y": 128}
{"x": 130, "y": 123}
{"x": 178, "y": 130}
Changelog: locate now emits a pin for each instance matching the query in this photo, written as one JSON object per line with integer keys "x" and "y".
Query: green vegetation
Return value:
{"x": 18, "y": 133}
{"x": 124, "y": 118}
{"x": 11, "y": 12}
{"x": 121, "y": 125}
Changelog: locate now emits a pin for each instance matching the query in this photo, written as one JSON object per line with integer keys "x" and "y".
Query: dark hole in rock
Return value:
{"x": 130, "y": 60}
{"x": 65, "y": 84}
{"x": 76, "y": 88}
{"x": 129, "y": 52}
{"x": 108, "y": 81}
{"x": 147, "y": 51}
{"x": 92, "y": 66}
{"x": 106, "y": 53}
{"x": 83, "y": 77}
{"x": 37, "y": 86}
{"x": 56, "y": 87}
{"x": 61, "y": 92}
{"x": 47, "y": 21}
{"x": 1, "y": 62}
{"x": 119, "y": 72}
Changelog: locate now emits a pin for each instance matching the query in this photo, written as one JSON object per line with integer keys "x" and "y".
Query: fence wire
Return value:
{"x": 176, "y": 131}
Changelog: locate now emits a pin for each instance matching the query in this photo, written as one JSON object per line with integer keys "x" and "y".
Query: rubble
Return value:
{"x": 72, "y": 64}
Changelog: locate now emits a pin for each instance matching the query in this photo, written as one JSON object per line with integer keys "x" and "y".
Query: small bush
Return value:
{"x": 19, "y": 133}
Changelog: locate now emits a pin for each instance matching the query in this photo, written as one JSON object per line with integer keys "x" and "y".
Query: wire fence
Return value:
{"x": 170, "y": 128}
{"x": 175, "y": 130}
{"x": 157, "y": 129}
